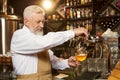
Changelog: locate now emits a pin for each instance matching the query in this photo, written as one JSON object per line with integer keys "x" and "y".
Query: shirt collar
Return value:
{"x": 26, "y": 28}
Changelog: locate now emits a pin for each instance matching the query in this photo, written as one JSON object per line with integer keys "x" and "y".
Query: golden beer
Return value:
{"x": 81, "y": 57}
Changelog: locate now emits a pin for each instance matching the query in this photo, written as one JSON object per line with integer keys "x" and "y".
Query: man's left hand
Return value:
{"x": 73, "y": 62}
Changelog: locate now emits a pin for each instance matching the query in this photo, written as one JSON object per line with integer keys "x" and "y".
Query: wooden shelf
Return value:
{"x": 80, "y": 6}
{"x": 80, "y": 19}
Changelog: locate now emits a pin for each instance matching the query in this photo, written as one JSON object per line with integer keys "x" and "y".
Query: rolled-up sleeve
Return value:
{"x": 58, "y": 63}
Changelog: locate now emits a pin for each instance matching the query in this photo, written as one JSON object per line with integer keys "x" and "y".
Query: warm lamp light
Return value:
{"x": 47, "y": 4}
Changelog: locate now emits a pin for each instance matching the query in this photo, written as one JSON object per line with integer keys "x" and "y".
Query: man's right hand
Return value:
{"x": 81, "y": 31}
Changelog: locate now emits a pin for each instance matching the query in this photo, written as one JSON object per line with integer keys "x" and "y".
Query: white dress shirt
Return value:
{"x": 25, "y": 45}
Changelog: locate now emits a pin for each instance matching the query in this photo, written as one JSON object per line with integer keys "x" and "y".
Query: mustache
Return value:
{"x": 39, "y": 32}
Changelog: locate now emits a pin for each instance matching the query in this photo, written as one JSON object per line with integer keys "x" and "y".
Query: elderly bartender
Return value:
{"x": 31, "y": 55}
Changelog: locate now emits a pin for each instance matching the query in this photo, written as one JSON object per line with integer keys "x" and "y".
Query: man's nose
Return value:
{"x": 41, "y": 24}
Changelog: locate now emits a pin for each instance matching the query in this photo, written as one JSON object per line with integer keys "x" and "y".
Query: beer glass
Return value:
{"x": 81, "y": 54}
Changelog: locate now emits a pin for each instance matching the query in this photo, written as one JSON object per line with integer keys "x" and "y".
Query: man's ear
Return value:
{"x": 25, "y": 21}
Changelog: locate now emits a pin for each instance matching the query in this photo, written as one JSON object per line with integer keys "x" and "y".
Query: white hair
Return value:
{"x": 32, "y": 9}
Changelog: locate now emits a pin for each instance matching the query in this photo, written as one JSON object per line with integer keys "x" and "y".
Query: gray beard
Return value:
{"x": 39, "y": 32}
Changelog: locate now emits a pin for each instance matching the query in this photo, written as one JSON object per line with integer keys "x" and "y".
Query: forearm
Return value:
{"x": 60, "y": 64}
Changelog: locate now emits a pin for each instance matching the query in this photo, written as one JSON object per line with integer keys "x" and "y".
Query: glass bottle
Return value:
{"x": 67, "y": 3}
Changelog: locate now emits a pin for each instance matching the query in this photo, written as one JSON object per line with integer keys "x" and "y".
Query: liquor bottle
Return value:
{"x": 78, "y": 13}
{"x": 119, "y": 43}
{"x": 87, "y": 25}
{"x": 71, "y": 2}
{"x": 75, "y": 14}
{"x": 74, "y": 25}
{"x": 82, "y": 2}
{"x": 86, "y": 1}
{"x": 90, "y": 13}
{"x": 86, "y": 12}
{"x": 67, "y": 3}
{"x": 77, "y": 25}
{"x": 71, "y": 26}
{"x": 71, "y": 13}
{"x": 68, "y": 26}
{"x": 83, "y": 24}
{"x": 74, "y": 2}
{"x": 89, "y": 1}
{"x": 90, "y": 26}
{"x": 82, "y": 12}
{"x": 107, "y": 12}
{"x": 68, "y": 13}
{"x": 112, "y": 12}
{"x": 78, "y": 2}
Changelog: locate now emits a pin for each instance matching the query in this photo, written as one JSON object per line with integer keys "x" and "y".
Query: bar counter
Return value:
{"x": 114, "y": 75}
